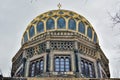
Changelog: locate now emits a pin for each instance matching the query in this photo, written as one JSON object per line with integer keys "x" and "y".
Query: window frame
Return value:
{"x": 39, "y": 25}
{"x": 59, "y": 22}
{"x": 85, "y": 69}
{"x": 81, "y": 27}
{"x": 50, "y": 23}
{"x": 71, "y": 25}
{"x": 89, "y": 32}
{"x": 37, "y": 69}
{"x": 31, "y": 31}
{"x": 60, "y": 66}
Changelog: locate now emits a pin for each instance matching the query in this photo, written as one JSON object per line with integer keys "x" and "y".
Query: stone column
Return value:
{"x": 48, "y": 56}
{"x": 27, "y": 68}
{"x": 98, "y": 69}
{"x": 77, "y": 60}
{"x": 51, "y": 62}
{"x": 24, "y": 63}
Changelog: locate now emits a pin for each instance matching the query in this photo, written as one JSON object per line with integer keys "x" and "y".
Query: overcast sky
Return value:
{"x": 15, "y": 15}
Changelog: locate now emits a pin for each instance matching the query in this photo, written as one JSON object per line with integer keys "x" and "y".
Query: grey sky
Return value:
{"x": 15, "y": 15}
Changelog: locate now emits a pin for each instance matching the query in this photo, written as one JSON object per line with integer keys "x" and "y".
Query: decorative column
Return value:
{"x": 97, "y": 63}
{"x": 77, "y": 60}
{"x": 24, "y": 63}
{"x": 98, "y": 69}
{"x": 27, "y": 66}
{"x": 47, "y": 56}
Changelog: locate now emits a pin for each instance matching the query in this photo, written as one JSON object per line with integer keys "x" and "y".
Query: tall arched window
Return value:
{"x": 82, "y": 67}
{"x": 31, "y": 32}
{"x": 37, "y": 68}
{"x": 61, "y": 23}
{"x": 86, "y": 69}
{"x": 50, "y": 24}
{"x": 57, "y": 64}
{"x": 33, "y": 70}
{"x": 90, "y": 70}
{"x": 40, "y": 27}
{"x": 95, "y": 37}
{"x": 41, "y": 65}
{"x": 72, "y": 24}
{"x": 67, "y": 64}
{"x": 62, "y": 66}
{"x": 81, "y": 28}
{"x": 25, "y": 37}
{"x": 89, "y": 32}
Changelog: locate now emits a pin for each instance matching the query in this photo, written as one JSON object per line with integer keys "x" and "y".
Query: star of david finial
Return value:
{"x": 59, "y": 5}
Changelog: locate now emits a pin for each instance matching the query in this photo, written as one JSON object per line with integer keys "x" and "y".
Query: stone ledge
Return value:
{"x": 28, "y": 78}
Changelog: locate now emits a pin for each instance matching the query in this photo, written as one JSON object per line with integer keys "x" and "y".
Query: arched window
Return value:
{"x": 89, "y": 32}
{"x": 40, "y": 27}
{"x": 31, "y": 32}
{"x": 62, "y": 64}
{"x": 67, "y": 64}
{"x": 37, "y": 68}
{"x": 72, "y": 24}
{"x": 90, "y": 70}
{"x": 61, "y": 23}
{"x": 86, "y": 69}
{"x": 82, "y": 67}
{"x": 25, "y": 37}
{"x": 81, "y": 28}
{"x": 57, "y": 64}
{"x": 95, "y": 37}
{"x": 41, "y": 65}
{"x": 50, "y": 24}
{"x": 33, "y": 70}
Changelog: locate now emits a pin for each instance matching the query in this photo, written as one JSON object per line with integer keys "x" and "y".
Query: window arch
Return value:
{"x": 95, "y": 37}
{"x": 50, "y": 24}
{"x": 61, "y": 23}
{"x": 31, "y": 32}
{"x": 40, "y": 27}
{"x": 25, "y": 37}
{"x": 89, "y": 32}
{"x": 72, "y": 24}
{"x": 81, "y": 27}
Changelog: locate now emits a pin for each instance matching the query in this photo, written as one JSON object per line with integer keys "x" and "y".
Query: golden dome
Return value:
{"x": 59, "y": 20}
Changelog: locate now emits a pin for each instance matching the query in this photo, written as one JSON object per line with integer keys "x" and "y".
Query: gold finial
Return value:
{"x": 59, "y": 5}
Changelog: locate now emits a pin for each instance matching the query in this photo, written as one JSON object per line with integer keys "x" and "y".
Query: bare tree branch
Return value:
{"x": 115, "y": 19}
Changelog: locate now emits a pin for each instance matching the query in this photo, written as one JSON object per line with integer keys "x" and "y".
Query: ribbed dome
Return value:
{"x": 59, "y": 20}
